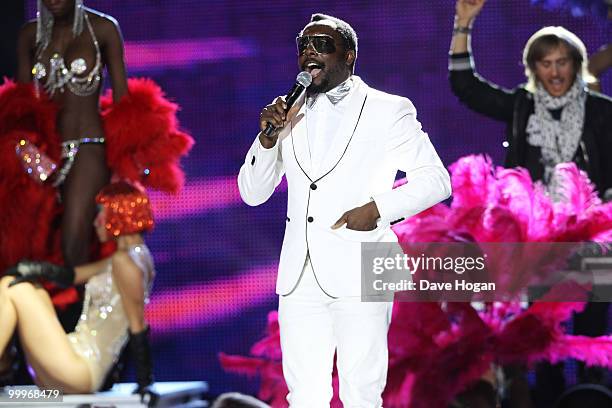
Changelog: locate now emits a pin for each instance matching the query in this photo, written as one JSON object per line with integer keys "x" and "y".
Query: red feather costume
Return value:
{"x": 143, "y": 144}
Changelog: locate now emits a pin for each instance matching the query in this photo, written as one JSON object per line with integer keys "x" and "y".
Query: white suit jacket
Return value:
{"x": 378, "y": 136}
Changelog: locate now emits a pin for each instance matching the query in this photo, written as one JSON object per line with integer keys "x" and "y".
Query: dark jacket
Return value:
{"x": 594, "y": 154}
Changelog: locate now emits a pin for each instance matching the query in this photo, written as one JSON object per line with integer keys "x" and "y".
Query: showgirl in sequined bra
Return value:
{"x": 116, "y": 290}
{"x": 61, "y": 137}
{"x": 64, "y": 52}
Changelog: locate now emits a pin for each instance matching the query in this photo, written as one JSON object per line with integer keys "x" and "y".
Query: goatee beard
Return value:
{"x": 317, "y": 89}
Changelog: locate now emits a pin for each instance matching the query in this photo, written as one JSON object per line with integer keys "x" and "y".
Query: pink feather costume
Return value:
{"x": 437, "y": 350}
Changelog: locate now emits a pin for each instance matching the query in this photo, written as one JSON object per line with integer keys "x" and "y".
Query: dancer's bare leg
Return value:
{"x": 43, "y": 339}
{"x": 8, "y": 316}
{"x": 87, "y": 176}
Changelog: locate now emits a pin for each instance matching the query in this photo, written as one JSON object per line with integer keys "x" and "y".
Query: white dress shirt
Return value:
{"x": 324, "y": 114}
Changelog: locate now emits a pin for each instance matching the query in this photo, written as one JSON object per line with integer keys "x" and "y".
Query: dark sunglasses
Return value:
{"x": 321, "y": 43}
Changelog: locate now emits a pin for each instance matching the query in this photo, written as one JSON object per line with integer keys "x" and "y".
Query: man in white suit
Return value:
{"x": 340, "y": 148}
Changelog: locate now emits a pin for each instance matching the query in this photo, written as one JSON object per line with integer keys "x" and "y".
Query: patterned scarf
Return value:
{"x": 557, "y": 139}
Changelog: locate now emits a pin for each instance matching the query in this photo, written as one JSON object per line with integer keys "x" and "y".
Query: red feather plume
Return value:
{"x": 144, "y": 142}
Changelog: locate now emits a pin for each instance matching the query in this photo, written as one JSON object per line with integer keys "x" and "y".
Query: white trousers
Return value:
{"x": 313, "y": 326}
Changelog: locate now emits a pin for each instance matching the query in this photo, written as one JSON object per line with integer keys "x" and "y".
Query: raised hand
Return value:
{"x": 467, "y": 10}
{"x": 275, "y": 114}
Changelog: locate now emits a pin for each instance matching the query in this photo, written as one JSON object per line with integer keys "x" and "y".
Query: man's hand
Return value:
{"x": 467, "y": 10}
{"x": 275, "y": 114}
{"x": 359, "y": 219}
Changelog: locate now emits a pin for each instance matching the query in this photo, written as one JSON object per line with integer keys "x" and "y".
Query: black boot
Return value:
{"x": 8, "y": 365}
{"x": 141, "y": 353}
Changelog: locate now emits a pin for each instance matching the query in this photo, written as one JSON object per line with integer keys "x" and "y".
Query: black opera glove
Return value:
{"x": 30, "y": 271}
{"x": 140, "y": 349}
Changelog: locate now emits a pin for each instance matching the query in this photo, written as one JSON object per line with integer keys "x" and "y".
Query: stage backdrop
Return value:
{"x": 222, "y": 61}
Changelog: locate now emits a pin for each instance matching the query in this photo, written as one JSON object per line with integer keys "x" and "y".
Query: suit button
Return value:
{"x": 313, "y": 186}
{"x": 310, "y": 219}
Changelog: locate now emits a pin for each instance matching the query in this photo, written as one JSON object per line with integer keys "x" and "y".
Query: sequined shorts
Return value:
{"x": 70, "y": 148}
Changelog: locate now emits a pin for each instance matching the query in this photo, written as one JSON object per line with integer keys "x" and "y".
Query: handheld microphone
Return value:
{"x": 303, "y": 81}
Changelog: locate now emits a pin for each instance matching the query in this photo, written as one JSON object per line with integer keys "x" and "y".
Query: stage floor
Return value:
{"x": 188, "y": 394}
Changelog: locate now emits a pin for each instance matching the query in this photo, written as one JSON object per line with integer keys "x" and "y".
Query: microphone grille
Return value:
{"x": 304, "y": 78}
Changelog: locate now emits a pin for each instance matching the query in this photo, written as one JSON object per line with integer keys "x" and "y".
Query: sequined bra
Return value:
{"x": 59, "y": 75}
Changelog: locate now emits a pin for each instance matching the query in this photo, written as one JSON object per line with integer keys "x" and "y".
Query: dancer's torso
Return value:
{"x": 102, "y": 330}
{"x": 72, "y": 69}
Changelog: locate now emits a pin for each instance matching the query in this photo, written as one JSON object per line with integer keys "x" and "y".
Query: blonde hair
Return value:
{"x": 548, "y": 38}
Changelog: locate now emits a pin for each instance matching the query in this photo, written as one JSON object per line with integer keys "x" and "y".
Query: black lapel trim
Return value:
{"x": 349, "y": 142}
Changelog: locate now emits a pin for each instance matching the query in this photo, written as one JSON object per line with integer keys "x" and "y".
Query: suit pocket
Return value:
{"x": 360, "y": 236}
